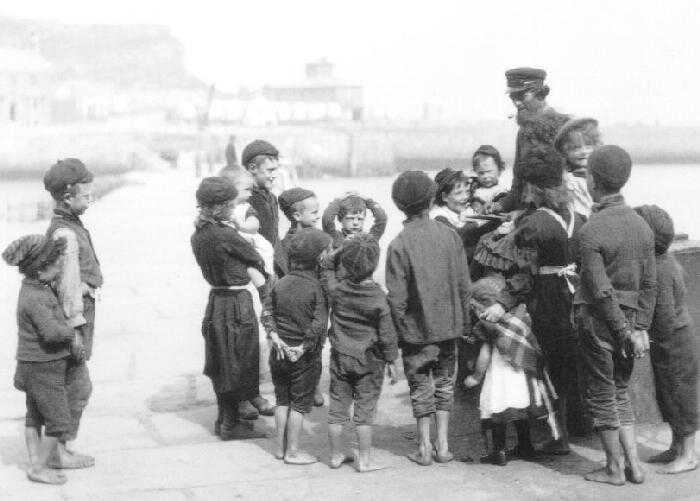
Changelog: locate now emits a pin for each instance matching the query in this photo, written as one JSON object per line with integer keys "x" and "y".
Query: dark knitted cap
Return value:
{"x": 575, "y": 124}
{"x": 520, "y": 79}
{"x": 660, "y": 223}
{"x": 257, "y": 147}
{"x": 216, "y": 190}
{"x": 33, "y": 253}
{"x": 289, "y": 197}
{"x": 542, "y": 166}
{"x": 612, "y": 165}
{"x": 412, "y": 191}
{"x": 489, "y": 151}
{"x": 351, "y": 204}
{"x": 445, "y": 181}
{"x": 360, "y": 256}
{"x": 64, "y": 173}
{"x": 307, "y": 245}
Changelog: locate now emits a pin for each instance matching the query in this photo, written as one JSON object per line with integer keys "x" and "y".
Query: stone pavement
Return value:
{"x": 149, "y": 422}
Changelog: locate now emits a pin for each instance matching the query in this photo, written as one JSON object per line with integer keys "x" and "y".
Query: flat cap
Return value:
{"x": 412, "y": 191}
{"x": 660, "y": 223}
{"x": 520, "y": 79}
{"x": 612, "y": 165}
{"x": 360, "y": 256}
{"x": 307, "y": 245}
{"x": 216, "y": 190}
{"x": 32, "y": 253}
{"x": 289, "y": 197}
{"x": 257, "y": 147}
{"x": 575, "y": 124}
{"x": 65, "y": 173}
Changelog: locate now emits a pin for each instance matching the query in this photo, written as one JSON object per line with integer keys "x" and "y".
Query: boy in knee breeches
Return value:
{"x": 44, "y": 347}
{"x": 428, "y": 282}
{"x": 70, "y": 185}
{"x": 363, "y": 342}
{"x": 615, "y": 305}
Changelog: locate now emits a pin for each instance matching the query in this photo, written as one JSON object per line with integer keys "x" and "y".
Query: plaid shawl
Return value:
{"x": 513, "y": 338}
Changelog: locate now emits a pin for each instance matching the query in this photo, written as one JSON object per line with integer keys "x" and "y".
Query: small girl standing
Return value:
{"x": 515, "y": 382}
{"x": 45, "y": 344}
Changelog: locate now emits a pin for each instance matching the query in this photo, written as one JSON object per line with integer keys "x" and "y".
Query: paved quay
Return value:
{"x": 149, "y": 422}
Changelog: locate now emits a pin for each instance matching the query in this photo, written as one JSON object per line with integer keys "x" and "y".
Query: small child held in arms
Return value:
{"x": 300, "y": 206}
{"x": 363, "y": 343}
{"x": 246, "y": 221}
{"x": 46, "y": 342}
{"x": 296, "y": 329}
{"x": 351, "y": 210}
{"x": 510, "y": 363}
{"x": 488, "y": 167}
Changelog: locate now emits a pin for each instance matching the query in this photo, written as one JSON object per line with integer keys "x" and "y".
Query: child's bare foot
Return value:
{"x": 279, "y": 452}
{"x": 46, "y": 476}
{"x": 337, "y": 460}
{"x": 604, "y": 476}
{"x": 471, "y": 382}
{"x": 634, "y": 473}
{"x": 679, "y": 465}
{"x": 299, "y": 458}
{"x": 422, "y": 456}
{"x": 364, "y": 466}
{"x": 663, "y": 457}
{"x": 318, "y": 398}
{"x": 65, "y": 460}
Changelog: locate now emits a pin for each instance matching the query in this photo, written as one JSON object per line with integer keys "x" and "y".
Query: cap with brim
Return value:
{"x": 570, "y": 126}
{"x": 521, "y": 79}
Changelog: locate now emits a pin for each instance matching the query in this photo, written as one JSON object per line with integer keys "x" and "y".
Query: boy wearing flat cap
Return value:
{"x": 538, "y": 124}
{"x": 363, "y": 341}
{"x": 614, "y": 306}
{"x": 428, "y": 282}
{"x": 70, "y": 184}
{"x": 260, "y": 159}
{"x": 296, "y": 330}
{"x": 300, "y": 206}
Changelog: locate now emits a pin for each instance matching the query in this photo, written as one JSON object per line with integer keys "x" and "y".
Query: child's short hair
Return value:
{"x": 360, "y": 256}
{"x": 306, "y": 246}
{"x": 352, "y": 204}
{"x": 290, "y": 200}
{"x": 412, "y": 192}
{"x": 580, "y": 131}
{"x": 661, "y": 224}
{"x": 487, "y": 150}
{"x": 34, "y": 253}
{"x": 611, "y": 167}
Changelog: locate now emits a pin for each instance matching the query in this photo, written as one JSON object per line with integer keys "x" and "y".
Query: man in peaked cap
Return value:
{"x": 260, "y": 159}
{"x": 538, "y": 123}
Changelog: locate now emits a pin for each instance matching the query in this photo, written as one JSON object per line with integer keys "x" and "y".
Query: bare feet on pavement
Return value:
{"x": 46, "y": 476}
{"x": 299, "y": 458}
{"x": 604, "y": 476}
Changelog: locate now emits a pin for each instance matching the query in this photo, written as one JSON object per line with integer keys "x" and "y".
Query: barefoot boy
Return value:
{"x": 296, "y": 330}
{"x": 616, "y": 304}
{"x": 43, "y": 351}
{"x": 300, "y": 206}
{"x": 428, "y": 282}
{"x": 70, "y": 185}
{"x": 363, "y": 342}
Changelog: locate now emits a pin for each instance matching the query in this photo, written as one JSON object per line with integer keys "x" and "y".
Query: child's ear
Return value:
{"x": 296, "y": 216}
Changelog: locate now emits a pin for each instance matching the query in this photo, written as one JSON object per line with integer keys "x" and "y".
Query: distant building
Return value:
{"x": 320, "y": 96}
{"x": 26, "y": 81}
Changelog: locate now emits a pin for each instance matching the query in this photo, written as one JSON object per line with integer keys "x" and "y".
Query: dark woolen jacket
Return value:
{"x": 427, "y": 276}
{"x": 265, "y": 204}
{"x": 361, "y": 319}
{"x": 615, "y": 249}
{"x": 281, "y": 261}
{"x": 90, "y": 272}
{"x": 44, "y": 332}
{"x": 671, "y": 312}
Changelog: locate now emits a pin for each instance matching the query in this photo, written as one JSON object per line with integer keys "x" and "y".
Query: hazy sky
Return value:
{"x": 620, "y": 61}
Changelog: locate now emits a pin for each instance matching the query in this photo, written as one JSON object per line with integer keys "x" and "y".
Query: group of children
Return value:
{"x": 316, "y": 284}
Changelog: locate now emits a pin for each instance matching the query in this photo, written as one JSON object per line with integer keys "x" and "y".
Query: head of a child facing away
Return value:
{"x": 307, "y": 248}
{"x": 351, "y": 214}
{"x": 359, "y": 257}
{"x": 576, "y": 140}
{"x": 609, "y": 169}
{"x": 36, "y": 256}
{"x": 70, "y": 184}
{"x": 542, "y": 171}
{"x": 488, "y": 166}
{"x": 661, "y": 224}
{"x": 452, "y": 190}
{"x": 412, "y": 192}
{"x": 216, "y": 199}
{"x": 261, "y": 160}
{"x": 300, "y": 206}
